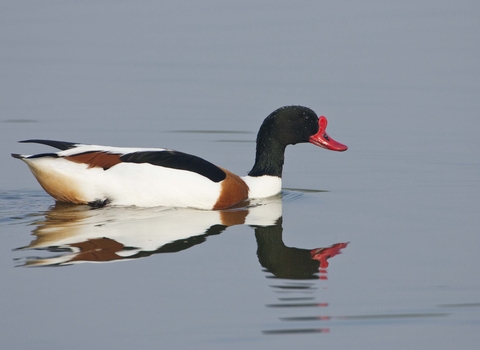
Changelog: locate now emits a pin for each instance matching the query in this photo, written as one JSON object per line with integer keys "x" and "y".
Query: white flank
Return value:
{"x": 143, "y": 185}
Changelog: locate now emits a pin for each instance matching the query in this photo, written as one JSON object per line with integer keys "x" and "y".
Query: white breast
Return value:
{"x": 263, "y": 186}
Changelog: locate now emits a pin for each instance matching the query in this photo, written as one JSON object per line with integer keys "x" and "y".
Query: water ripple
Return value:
{"x": 23, "y": 206}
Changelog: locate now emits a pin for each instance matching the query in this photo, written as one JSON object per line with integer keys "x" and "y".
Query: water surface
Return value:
{"x": 373, "y": 248}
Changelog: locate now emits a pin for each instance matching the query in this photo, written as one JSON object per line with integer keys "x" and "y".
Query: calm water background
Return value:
{"x": 400, "y": 84}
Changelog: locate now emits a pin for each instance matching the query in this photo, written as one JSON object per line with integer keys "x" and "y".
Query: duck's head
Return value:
{"x": 296, "y": 124}
{"x": 288, "y": 126}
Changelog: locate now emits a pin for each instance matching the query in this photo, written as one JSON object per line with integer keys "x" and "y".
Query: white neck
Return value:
{"x": 263, "y": 186}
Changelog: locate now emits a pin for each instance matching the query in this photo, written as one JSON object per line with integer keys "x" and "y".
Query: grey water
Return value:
{"x": 376, "y": 247}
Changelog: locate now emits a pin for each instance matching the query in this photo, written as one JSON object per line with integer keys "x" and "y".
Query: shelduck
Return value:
{"x": 147, "y": 177}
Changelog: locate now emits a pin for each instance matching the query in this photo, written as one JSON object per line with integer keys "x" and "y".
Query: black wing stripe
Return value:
{"x": 177, "y": 160}
{"x": 43, "y": 155}
{"x": 62, "y": 145}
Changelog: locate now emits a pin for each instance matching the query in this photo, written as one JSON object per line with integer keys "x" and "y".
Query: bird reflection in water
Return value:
{"x": 294, "y": 268}
{"x": 79, "y": 234}
{"x": 291, "y": 263}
